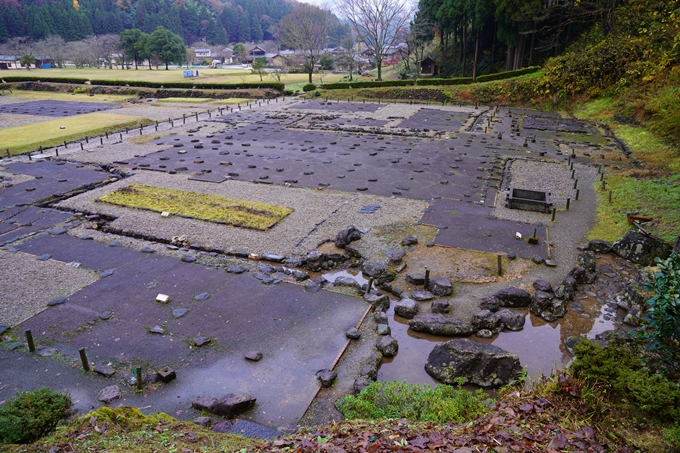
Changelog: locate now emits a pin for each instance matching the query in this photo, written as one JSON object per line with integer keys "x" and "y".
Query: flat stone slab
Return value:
{"x": 56, "y": 108}
{"x": 472, "y": 227}
{"x": 339, "y": 106}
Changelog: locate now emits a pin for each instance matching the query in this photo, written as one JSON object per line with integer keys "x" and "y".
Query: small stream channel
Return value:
{"x": 540, "y": 345}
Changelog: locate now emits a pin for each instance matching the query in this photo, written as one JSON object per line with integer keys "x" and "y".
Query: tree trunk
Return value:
{"x": 493, "y": 45}
{"x": 476, "y": 59}
{"x": 463, "y": 49}
{"x": 166, "y": 65}
{"x": 531, "y": 48}
{"x": 310, "y": 75}
{"x": 508, "y": 58}
{"x": 379, "y": 63}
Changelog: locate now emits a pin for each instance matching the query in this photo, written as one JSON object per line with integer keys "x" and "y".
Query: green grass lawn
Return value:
{"x": 49, "y": 133}
{"x": 214, "y": 208}
{"x": 206, "y": 75}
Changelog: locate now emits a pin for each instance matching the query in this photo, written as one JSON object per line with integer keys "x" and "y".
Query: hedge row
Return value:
{"x": 44, "y": 79}
{"x": 139, "y": 83}
{"x": 431, "y": 82}
{"x": 508, "y": 74}
{"x": 189, "y": 85}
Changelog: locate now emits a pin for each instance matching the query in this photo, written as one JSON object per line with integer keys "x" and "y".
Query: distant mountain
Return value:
{"x": 193, "y": 20}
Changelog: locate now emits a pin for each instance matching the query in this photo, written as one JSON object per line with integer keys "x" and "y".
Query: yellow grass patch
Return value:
{"x": 49, "y": 133}
{"x": 213, "y": 208}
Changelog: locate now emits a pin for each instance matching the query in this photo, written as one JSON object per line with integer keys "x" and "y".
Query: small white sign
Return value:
{"x": 163, "y": 298}
{"x": 74, "y": 264}
{"x": 518, "y": 235}
{"x": 165, "y": 214}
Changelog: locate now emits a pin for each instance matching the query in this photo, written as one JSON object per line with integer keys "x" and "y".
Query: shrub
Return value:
{"x": 397, "y": 400}
{"x": 308, "y": 87}
{"x": 626, "y": 380}
{"x": 662, "y": 319}
{"x": 31, "y": 415}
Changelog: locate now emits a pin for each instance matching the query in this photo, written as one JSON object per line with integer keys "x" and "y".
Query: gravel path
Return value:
{"x": 28, "y": 284}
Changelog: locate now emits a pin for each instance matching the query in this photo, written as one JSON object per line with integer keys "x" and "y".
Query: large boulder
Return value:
{"x": 441, "y": 286}
{"x": 232, "y": 405}
{"x": 485, "y": 320}
{"x": 641, "y": 249}
{"x": 406, "y": 308}
{"x": 482, "y": 364}
{"x": 541, "y": 302}
{"x": 438, "y": 324}
{"x": 346, "y": 236}
{"x": 513, "y": 297}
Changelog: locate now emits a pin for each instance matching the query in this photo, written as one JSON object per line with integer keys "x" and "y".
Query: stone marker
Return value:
{"x": 57, "y": 301}
{"x": 166, "y": 374}
{"x": 108, "y": 394}
{"x": 202, "y": 341}
{"x": 253, "y": 356}
{"x": 204, "y": 403}
{"x": 157, "y": 329}
{"x": 353, "y": 333}
{"x": 163, "y": 298}
{"x": 105, "y": 370}
{"x": 231, "y": 405}
{"x": 327, "y": 377}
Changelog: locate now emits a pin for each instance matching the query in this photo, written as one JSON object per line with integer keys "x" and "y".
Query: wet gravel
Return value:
{"x": 28, "y": 284}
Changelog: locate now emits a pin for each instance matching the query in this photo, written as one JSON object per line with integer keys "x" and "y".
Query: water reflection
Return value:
{"x": 539, "y": 346}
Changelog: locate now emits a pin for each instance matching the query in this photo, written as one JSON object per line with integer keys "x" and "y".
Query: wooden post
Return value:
{"x": 29, "y": 340}
{"x": 83, "y": 359}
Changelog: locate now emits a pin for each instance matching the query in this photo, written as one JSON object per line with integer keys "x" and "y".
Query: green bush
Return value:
{"x": 189, "y": 85}
{"x": 75, "y": 80}
{"x": 508, "y": 74}
{"x": 308, "y": 87}
{"x": 626, "y": 380}
{"x": 401, "y": 400}
{"x": 30, "y": 415}
{"x": 662, "y": 318}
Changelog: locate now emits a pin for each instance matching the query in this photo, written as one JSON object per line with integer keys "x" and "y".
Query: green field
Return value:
{"x": 206, "y": 75}
{"x": 214, "y": 208}
{"x": 50, "y": 133}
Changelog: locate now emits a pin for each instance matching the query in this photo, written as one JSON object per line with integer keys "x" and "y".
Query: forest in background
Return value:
{"x": 194, "y": 20}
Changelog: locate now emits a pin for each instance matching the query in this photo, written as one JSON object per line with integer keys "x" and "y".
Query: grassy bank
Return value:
{"x": 21, "y": 139}
{"x": 651, "y": 187}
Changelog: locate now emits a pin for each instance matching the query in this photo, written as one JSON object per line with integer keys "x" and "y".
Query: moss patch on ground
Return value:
{"x": 21, "y": 139}
{"x": 213, "y": 208}
{"x": 126, "y": 430}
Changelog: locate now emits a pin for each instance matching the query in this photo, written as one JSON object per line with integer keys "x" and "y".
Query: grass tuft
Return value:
{"x": 213, "y": 208}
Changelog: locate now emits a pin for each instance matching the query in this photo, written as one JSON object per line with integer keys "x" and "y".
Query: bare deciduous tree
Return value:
{"x": 379, "y": 23}
{"x": 53, "y": 47}
{"x": 305, "y": 29}
{"x": 348, "y": 53}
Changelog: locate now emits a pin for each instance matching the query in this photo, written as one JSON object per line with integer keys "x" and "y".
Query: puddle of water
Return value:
{"x": 359, "y": 276}
{"x": 539, "y": 346}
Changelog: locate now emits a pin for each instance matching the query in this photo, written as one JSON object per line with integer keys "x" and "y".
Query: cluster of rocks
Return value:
{"x": 113, "y": 392}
